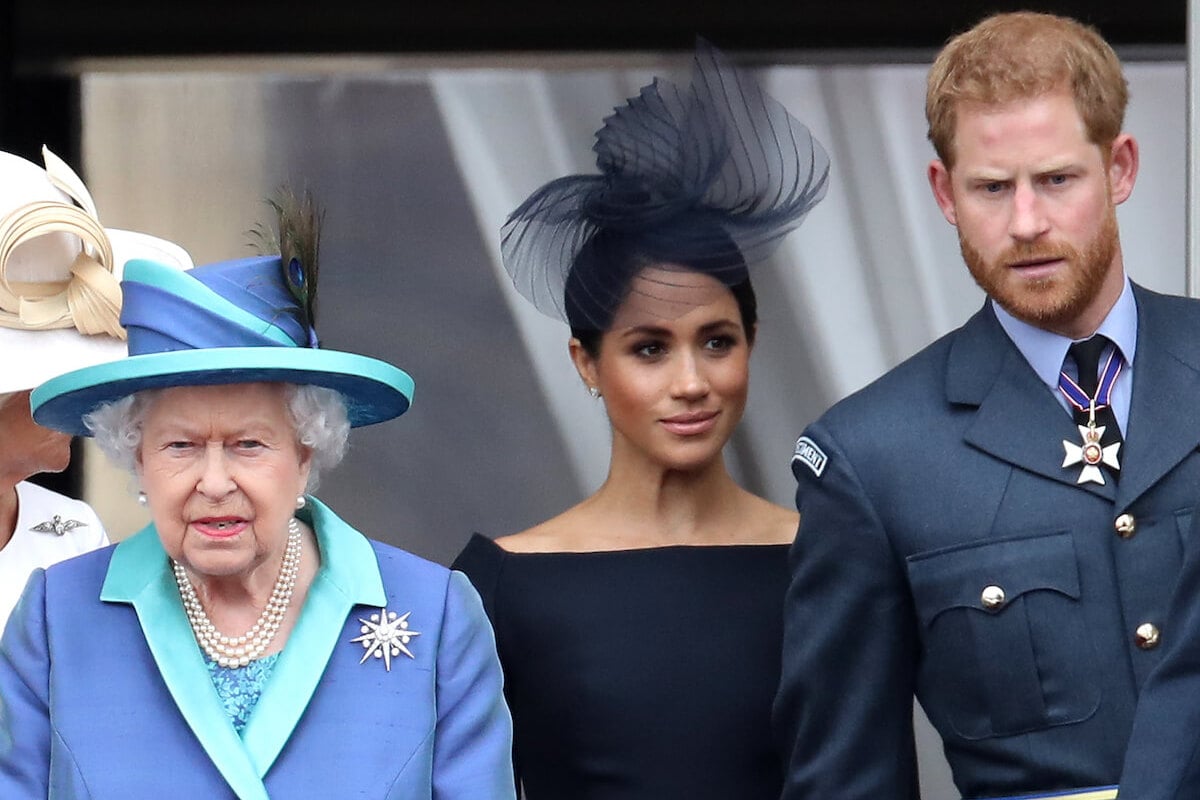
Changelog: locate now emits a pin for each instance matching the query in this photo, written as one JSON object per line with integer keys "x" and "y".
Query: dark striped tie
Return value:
{"x": 1087, "y": 359}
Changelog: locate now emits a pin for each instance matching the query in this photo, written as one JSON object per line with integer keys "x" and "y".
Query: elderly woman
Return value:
{"x": 248, "y": 642}
{"x": 60, "y": 301}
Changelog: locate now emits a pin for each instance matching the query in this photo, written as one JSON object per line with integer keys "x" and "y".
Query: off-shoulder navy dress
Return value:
{"x": 638, "y": 674}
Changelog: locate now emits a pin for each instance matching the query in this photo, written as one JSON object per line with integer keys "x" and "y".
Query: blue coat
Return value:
{"x": 1163, "y": 760}
{"x": 104, "y": 693}
{"x": 938, "y": 481}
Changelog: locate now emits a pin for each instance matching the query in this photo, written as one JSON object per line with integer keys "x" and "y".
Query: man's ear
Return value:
{"x": 1122, "y": 167}
{"x": 943, "y": 190}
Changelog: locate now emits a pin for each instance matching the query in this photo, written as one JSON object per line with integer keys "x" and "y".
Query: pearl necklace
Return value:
{"x": 238, "y": 651}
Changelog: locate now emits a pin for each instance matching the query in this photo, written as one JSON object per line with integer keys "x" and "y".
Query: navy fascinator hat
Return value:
{"x": 707, "y": 177}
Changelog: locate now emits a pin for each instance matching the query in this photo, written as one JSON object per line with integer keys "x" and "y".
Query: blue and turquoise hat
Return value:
{"x": 225, "y": 323}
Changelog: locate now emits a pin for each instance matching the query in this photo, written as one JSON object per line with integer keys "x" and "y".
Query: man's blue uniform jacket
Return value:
{"x": 942, "y": 479}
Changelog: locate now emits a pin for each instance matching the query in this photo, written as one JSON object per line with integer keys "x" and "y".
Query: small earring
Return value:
{"x": 594, "y": 392}
{"x": 301, "y": 502}
{"x": 141, "y": 498}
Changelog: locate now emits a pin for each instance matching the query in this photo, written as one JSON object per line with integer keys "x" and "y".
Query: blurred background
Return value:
{"x": 420, "y": 127}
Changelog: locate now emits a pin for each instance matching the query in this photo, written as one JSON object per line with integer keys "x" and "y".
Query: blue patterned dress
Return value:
{"x": 240, "y": 688}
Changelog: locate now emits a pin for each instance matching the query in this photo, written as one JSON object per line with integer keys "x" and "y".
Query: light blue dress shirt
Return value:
{"x": 1045, "y": 351}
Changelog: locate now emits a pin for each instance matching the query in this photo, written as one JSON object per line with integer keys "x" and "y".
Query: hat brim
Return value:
{"x": 34, "y": 356}
{"x": 374, "y": 390}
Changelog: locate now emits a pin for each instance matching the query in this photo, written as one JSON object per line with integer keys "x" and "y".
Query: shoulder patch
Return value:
{"x": 810, "y": 455}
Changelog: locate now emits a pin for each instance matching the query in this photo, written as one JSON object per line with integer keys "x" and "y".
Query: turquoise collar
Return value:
{"x": 349, "y": 575}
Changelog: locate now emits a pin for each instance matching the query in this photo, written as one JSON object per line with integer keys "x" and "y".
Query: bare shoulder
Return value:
{"x": 558, "y": 534}
{"x": 768, "y": 523}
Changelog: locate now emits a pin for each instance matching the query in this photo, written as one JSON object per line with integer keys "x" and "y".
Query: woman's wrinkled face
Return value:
{"x": 221, "y": 469}
{"x": 673, "y": 369}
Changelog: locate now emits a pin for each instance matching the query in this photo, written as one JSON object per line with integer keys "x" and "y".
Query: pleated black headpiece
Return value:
{"x": 707, "y": 178}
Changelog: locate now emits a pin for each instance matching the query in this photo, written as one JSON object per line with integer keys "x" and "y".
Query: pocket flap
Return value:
{"x": 989, "y": 575}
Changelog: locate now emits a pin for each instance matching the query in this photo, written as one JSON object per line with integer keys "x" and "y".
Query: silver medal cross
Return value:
{"x": 1091, "y": 454}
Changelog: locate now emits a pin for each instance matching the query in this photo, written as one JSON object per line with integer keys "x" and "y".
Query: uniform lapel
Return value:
{"x": 138, "y": 574}
{"x": 1163, "y": 425}
{"x": 1018, "y": 419}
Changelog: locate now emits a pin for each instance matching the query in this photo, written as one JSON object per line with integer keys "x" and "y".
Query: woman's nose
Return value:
{"x": 689, "y": 380}
{"x": 216, "y": 480}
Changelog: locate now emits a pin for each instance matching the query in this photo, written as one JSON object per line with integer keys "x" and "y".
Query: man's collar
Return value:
{"x": 1045, "y": 350}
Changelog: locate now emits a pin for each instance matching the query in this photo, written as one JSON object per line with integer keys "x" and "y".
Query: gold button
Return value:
{"x": 1146, "y": 636}
{"x": 992, "y": 597}
{"x": 1126, "y": 526}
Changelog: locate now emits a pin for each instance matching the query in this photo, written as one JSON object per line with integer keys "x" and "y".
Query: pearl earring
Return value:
{"x": 594, "y": 392}
{"x": 301, "y": 502}
{"x": 141, "y": 498}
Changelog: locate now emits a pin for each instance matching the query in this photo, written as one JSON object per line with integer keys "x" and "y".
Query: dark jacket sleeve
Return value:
{"x": 844, "y": 708}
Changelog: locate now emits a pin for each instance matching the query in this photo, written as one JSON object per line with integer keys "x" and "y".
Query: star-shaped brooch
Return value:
{"x": 58, "y": 526}
{"x": 1091, "y": 454}
{"x": 385, "y": 635}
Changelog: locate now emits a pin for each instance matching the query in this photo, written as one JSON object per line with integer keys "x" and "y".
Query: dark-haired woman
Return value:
{"x": 640, "y": 631}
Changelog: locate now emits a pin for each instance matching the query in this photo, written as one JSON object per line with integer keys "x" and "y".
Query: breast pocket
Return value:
{"x": 1005, "y": 640}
